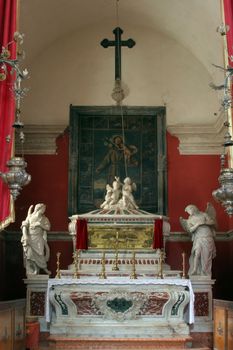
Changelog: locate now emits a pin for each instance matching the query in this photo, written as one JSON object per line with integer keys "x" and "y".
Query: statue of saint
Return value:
{"x": 34, "y": 240}
{"x": 201, "y": 225}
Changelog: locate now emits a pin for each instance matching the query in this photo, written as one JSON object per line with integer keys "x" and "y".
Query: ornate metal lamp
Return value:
{"x": 16, "y": 177}
{"x": 224, "y": 194}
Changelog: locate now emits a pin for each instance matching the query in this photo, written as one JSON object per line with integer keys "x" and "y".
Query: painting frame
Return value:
{"x": 91, "y": 135}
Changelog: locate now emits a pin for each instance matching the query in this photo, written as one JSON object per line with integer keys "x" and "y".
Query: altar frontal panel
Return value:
{"x": 128, "y": 237}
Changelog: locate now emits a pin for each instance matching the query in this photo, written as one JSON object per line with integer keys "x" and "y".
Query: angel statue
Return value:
{"x": 34, "y": 240}
{"x": 201, "y": 226}
{"x": 128, "y": 201}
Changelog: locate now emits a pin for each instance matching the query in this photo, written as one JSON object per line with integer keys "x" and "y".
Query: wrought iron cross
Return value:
{"x": 118, "y": 43}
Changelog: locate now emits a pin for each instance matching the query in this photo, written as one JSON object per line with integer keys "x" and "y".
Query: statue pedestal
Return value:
{"x": 202, "y": 329}
{"x": 36, "y": 296}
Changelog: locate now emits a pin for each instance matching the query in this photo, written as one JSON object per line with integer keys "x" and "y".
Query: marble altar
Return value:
{"x": 119, "y": 307}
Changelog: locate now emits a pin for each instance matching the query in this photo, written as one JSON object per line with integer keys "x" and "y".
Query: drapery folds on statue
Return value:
{"x": 81, "y": 234}
{"x": 8, "y": 23}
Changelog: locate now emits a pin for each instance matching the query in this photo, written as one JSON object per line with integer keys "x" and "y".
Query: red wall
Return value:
{"x": 49, "y": 185}
{"x": 191, "y": 180}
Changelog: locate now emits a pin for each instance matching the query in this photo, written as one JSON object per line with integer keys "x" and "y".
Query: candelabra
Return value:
{"x": 16, "y": 177}
{"x": 58, "y": 272}
{"x": 115, "y": 264}
{"x": 76, "y": 263}
{"x": 183, "y": 265}
{"x": 133, "y": 273}
{"x": 103, "y": 274}
{"x": 161, "y": 259}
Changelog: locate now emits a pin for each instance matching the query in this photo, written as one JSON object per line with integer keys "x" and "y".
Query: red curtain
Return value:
{"x": 228, "y": 13}
{"x": 8, "y": 14}
{"x": 81, "y": 234}
{"x": 158, "y": 234}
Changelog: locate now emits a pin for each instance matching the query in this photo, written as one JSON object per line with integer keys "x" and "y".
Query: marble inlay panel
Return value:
{"x": 201, "y": 304}
{"x": 37, "y": 303}
{"x": 155, "y": 303}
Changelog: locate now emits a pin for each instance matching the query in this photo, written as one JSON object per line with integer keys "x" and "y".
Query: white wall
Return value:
{"x": 77, "y": 70}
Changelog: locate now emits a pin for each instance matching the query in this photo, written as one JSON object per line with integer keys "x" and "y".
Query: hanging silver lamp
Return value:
{"x": 16, "y": 177}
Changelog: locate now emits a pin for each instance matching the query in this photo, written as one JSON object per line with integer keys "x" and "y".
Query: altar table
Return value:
{"x": 119, "y": 307}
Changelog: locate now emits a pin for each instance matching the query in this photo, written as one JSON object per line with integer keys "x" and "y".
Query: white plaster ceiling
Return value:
{"x": 191, "y": 23}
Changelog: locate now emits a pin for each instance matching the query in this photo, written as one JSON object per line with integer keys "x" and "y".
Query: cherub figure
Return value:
{"x": 128, "y": 201}
{"x": 201, "y": 225}
{"x": 116, "y": 191}
{"x": 108, "y": 197}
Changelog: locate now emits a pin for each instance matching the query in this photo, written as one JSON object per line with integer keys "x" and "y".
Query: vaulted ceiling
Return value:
{"x": 176, "y": 44}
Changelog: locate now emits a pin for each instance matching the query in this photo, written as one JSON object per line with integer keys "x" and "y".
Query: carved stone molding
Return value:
{"x": 54, "y": 236}
{"x": 40, "y": 139}
{"x": 194, "y": 139}
{"x": 199, "y": 139}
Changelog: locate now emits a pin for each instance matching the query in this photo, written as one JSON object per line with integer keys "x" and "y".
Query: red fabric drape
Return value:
{"x": 228, "y": 13}
{"x": 158, "y": 234}
{"x": 8, "y": 14}
{"x": 81, "y": 234}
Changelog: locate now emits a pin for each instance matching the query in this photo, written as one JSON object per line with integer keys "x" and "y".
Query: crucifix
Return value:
{"x": 118, "y": 43}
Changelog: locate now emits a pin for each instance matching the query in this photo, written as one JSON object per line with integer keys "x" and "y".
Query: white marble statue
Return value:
{"x": 128, "y": 201}
{"x": 108, "y": 197}
{"x": 201, "y": 225}
{"x": 34, "y": 240}
{"x": 120, "y": 195}
{"x": 116, "y": 192}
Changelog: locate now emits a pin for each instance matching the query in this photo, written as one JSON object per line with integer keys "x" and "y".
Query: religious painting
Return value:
{"x": 109, "y": 142}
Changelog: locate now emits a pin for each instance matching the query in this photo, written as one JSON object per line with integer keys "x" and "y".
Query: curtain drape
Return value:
{"x": 228, "y": 14}
{"x": 158, "y": 234}
{"x": 8, "y": 23}
{"x": 81, "y": 234}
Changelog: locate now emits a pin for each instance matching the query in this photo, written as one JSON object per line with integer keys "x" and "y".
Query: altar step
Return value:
{"x": 67, "y": 343}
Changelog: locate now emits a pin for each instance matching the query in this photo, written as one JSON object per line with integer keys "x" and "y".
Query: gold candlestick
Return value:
{"x": 115, "y": 264}
{"x": 103, "y": 274}
{"x": 76, "y": 262}
{"x": 183, "y": 265}
{"x": 58, "y": 272}
{"x": 161, "y": 259}
{"x": 133, "y": 273}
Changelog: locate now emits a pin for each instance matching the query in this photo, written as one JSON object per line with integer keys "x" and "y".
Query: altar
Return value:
{"x": 120, "y": 308}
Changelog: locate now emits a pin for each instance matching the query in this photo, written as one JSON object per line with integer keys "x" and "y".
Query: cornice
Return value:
{"x": 40, "y": 139}
{"x": 184, "y": 237}
{"x": 199, "y": 139}
{"x": 65, "y": 236}
{"x": 51, "y": 236}
{"x": 194, "y": 139}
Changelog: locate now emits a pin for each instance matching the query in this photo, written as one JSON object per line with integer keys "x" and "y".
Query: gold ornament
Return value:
{"x": 2, "y": 76}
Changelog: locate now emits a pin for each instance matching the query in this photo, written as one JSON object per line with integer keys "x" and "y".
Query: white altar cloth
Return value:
{"x": 121, "y": 281}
